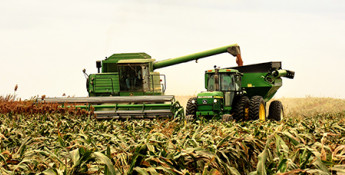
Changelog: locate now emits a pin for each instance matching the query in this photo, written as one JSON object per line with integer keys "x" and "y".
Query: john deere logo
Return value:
{"x": 204, "y": 101}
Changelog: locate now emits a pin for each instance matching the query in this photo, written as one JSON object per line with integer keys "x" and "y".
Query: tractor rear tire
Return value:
{"x": 191, "y": 107}
{"x": 276, "y": 111}
{"x": 240, "y": 108}
{"x": 257, "y": 109}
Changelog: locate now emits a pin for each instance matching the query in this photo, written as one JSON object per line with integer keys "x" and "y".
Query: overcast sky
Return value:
{"x": 45, "y": 44}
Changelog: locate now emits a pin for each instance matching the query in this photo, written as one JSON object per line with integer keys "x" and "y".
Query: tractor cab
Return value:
{"x": 227, "y": 81}
{"x": 222, "y": 86}
{"x": 222, "y": 80}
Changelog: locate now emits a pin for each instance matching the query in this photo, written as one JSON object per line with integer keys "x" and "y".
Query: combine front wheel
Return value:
{"x": 257, "y": 109}
{"x": 276, "y": 111}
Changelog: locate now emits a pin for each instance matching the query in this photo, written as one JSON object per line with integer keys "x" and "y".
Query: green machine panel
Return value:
{"x": 104, "y": 84}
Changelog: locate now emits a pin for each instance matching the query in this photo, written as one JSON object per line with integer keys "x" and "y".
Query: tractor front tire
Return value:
{"x": 257, "y": 109}
{"x": 191, "y": 107}
{"x": 276, "y": 111}
{"x": 240, "y": 109}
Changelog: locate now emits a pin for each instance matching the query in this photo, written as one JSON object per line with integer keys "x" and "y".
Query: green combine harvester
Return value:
{"x": 240, "y": 93}
{"x": 126, "y": 86}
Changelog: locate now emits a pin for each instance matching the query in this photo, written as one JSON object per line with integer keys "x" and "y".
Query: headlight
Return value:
{"x": 215, "y": 100}
{"x": 193, "y": 101}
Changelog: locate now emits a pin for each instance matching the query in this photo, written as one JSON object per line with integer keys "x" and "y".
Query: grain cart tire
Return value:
{"x": 191, "y": 107}
{"x": 240, "y": 109}
{"x": 276, "y": 111}
{"x": 257, "y": 108}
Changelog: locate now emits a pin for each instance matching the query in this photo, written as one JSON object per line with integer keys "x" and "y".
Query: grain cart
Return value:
{"x": 126, "y": 85}
{"x": 240, "y": 93}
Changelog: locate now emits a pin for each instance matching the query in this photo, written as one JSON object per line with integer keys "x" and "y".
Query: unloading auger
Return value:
{"x": 126, "y": 86}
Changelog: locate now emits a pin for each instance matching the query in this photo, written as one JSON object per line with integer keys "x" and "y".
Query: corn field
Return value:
{"x": 65, "y": 142}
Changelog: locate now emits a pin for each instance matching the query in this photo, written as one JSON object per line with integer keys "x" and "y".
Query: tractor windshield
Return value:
{"x": 226, "y": 82}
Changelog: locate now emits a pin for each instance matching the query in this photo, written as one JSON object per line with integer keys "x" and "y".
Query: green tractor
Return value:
{"x": 127, "y": 86}
{"x": 240, "y": 93}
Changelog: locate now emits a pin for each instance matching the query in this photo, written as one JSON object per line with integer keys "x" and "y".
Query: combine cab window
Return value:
{"x": 131, "y": 78}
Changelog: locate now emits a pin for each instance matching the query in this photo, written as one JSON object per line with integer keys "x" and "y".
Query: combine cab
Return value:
{"x": 127, "y": 74}
{"x": 126, "y": 86}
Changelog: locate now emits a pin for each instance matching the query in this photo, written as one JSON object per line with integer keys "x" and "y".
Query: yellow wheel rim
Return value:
{"x": 246, "y": 113}
{"x": 262, "y": 112}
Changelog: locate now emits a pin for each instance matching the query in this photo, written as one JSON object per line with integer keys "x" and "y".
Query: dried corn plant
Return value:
{"x": 65, "y": 143}
{"x": 8, "y": 105}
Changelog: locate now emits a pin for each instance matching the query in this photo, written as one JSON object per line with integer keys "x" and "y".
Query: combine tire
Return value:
{"x": 241, "y": 108}
{"x": 257, "y": 109}
{"x": 276, "y": 111}
{"x": 191, "y": 107}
